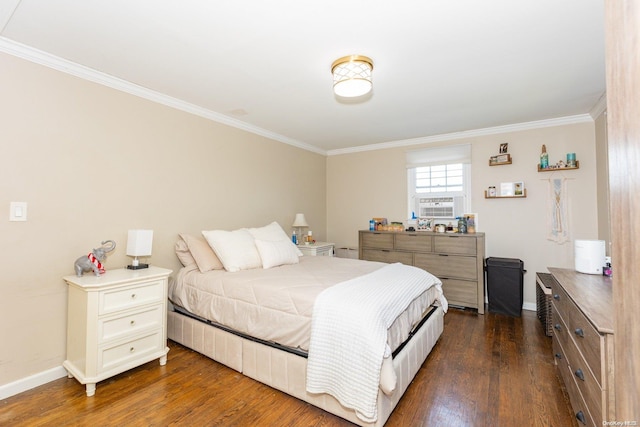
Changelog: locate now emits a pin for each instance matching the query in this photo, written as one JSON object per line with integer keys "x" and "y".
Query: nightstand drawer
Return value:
{"x": 121, "y": 326}
{"x": 135, "y": 296}
{"x": 120, "y": 355}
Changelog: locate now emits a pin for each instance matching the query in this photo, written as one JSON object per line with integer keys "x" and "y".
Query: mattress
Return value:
{"x": 275, "y": 305}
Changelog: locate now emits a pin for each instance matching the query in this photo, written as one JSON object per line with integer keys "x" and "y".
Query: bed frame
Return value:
{"x": 286, "y": 371}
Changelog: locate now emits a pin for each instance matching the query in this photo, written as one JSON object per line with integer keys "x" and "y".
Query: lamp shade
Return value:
{"x": 352, "y": 76}
{"x": 300, "y": 221}
{"x": 139, "y": 242}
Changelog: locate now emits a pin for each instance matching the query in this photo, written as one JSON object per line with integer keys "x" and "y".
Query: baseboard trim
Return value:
{"x": 33, "y": 381}
{"x": 531, "y": 306}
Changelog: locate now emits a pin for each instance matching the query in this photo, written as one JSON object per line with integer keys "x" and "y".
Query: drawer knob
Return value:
{"x": 133, "y": 322}
{"x": 580, "y": 417}
{"x": 578, "y": 373}
{"x": 558, "y": 356}
{"x": 556, "y": 297}
{"x": 132, "y": 350}
{"x": 133, "y": 296}
{"x": 579, "y": 332}
{"x": 557, "y": 327}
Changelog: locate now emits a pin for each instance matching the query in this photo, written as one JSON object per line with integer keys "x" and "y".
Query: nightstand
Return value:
{"x": 115, "y": 322}
{"x": 317, "y": 249}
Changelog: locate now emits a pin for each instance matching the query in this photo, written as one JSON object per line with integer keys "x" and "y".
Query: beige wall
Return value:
{"x": 366, "y": 184}
{"x": 92, "y": 162}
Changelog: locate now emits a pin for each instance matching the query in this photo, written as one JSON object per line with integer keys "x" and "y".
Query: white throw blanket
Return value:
{"x": 349, "y": 333}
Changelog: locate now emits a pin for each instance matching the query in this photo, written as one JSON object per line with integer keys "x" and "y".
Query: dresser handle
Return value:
{"x": 558, "y": 356}
{"x": 579, "y": 374}
{"x": 132, "y": 350}
{"x": 556, "y": 297}
{"x": 557, "y": 326}
{"x": 579, "y": 332}
{"x": 443, "y": 254}
{"x": 133, "y": 296}
{"x": 580, "y": 417}
{"x": 133, "y": 322}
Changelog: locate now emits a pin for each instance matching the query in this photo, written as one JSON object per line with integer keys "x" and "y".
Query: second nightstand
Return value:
{"x": 317, "y": 249}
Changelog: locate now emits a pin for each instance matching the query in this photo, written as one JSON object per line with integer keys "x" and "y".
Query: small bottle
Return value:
{"x": 462, "y": 225}
{"x": 544, "y": 158}
{"x": 372, "y": 225}
{"x": 310, "y": 237}
{"x": 294, "y": 238}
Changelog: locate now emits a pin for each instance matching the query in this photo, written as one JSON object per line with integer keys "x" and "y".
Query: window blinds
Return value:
{"x": 439, "y": 156}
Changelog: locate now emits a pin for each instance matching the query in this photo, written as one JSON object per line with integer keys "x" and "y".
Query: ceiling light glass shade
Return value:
{"x": 352, "y": 76}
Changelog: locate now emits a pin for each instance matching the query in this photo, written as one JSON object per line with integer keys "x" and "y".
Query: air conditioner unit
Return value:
{"x": 440, "y": 207}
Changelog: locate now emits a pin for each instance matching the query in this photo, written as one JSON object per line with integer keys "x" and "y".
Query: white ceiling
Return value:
{"x": 440, "y": 66}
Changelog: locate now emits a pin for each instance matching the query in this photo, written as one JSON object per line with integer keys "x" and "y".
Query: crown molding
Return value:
{"x": 600, "y": 107}
{"x": 51, "y": 61}
{"x": 580, "y": 118}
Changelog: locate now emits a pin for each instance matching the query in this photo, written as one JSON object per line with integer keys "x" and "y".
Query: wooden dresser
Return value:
{"x": 456, "y": 259}
{"x": 582, "y": 316}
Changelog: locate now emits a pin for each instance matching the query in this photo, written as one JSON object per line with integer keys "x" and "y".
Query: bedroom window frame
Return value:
{"x": 453, "y": 175}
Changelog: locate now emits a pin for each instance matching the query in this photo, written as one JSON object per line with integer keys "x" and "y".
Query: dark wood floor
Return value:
{"x": 489, "y": 370}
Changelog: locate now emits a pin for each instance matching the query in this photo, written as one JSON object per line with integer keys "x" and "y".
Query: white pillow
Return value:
{"x": 235, "y": 249}
{"x": 277, "y": 252}
{"x": 272, "y": 232}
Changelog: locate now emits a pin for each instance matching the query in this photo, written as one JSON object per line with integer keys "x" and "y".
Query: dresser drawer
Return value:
{"x": 414, "y": 242}
{"x": 561, "y": 300}
{"x": 589, "y": 341}
{"x": 461, "y": 292}
{"x": 134, "y": 296}
{"x": 448, "y": 266}
{"x": 377, "y": 240}
{"x": 577, "y": 402}
{"x": 584, "y": 380}
{"x": 131, "y": 323}
{"x": 454, "y": 244}
{"x": 119, "y": 355}
{"x": 387, "y": 256}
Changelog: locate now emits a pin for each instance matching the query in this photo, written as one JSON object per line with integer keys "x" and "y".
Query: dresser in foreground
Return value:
{"x": 115, "y": 322}
{"x": 582, "y": 316}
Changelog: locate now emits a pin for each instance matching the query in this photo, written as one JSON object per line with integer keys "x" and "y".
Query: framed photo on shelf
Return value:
{"x": 504, "y": 147}
{"x": 518, "y": 188}
{"x": 507, "y": 189}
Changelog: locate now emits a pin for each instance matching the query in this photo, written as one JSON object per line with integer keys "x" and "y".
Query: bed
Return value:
{"x": 248, "y": 299}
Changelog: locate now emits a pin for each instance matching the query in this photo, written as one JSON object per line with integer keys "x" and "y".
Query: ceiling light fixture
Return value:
{"x": 352, "y": 76}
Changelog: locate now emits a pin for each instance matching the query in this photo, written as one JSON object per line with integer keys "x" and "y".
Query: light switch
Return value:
{"x": 18, "y": 211}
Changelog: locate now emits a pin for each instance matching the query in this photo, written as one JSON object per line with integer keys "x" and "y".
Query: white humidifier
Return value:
{"x": 590, "y": 256}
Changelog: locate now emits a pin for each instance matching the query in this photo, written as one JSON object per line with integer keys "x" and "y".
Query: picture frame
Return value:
{"x": 518, "y": 188}
{"x": 507, "y": 189}
{"x": 424, "y": 224}
{"x": 504, "y": 147}
{"x": 472, "y": 222}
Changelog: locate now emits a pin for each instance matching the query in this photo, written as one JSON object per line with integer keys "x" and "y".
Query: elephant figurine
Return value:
{"x": 93, "y": 261}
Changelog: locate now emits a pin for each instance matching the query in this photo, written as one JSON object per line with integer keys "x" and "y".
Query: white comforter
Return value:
{"x": 349, "y": 333}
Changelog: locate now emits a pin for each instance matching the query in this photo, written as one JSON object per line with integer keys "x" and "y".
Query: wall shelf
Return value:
{"x": 524, "y": 194}
{"x": 566, "y": 168}
{"x": 499, "y": 160}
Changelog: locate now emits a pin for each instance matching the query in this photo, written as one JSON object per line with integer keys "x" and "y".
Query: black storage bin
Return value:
{"x": 504, "y": 285}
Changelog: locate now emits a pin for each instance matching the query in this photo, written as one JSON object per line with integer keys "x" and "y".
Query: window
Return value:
{"x": 439, "y": 178}
{"x": 438, "y": 181}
